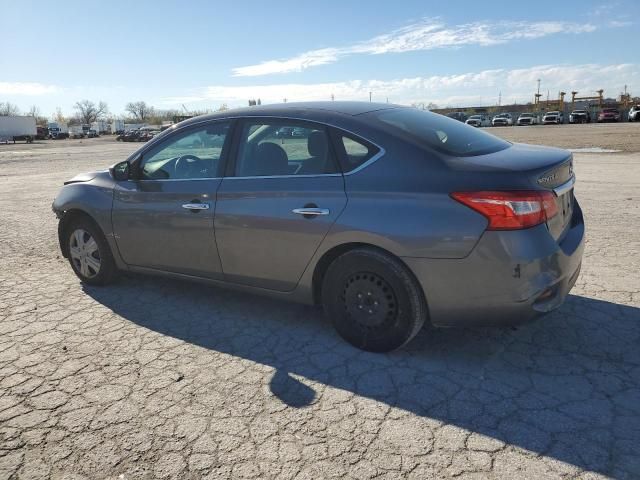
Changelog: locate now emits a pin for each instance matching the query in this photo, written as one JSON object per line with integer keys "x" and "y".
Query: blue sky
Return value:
{"x": 205, "y": 53}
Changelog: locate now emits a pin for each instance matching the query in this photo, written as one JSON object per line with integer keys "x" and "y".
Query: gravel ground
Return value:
{"x": 154, "y": 378}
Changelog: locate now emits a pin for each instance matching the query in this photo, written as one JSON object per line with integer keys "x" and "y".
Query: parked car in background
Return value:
{"x": 92, "y": 133}
{"x": 502, "y": 120}
{"x": 527, "y": 119}
{"x": 129, "y": 136}
{"x": 331, "y": 219}
{"x": 580, "y": 116}
{"x": 145, "y": 136}
{"x": 284, "y": 132}
{"x": 634, "y": 113}
{"x": 609, "y": 115}
{"x": 481, "y": 120}
{"x": 460, "y": 116}
{"x": 554, "y": 117}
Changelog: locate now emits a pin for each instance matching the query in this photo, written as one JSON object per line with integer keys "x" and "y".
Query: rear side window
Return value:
{"x": 280, "y": 148}
{"x": 439, "y": 132}
{"x": 355, "y": 151}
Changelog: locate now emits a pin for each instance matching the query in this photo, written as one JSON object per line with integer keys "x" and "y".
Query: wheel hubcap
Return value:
{"x": 369, "y": 300}
{"x": 84, "y": 253}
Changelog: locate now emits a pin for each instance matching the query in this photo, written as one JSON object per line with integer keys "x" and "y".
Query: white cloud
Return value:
{"x": 27, "y": 88}
{"x": 471, "y": 87}
{"x": 428, "y": 34}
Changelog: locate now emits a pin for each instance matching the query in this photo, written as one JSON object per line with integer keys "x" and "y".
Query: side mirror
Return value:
{"x": 120, "y": 171}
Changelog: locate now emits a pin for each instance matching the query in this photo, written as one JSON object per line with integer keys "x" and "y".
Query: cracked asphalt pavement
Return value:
{"x": 154, "y": 378}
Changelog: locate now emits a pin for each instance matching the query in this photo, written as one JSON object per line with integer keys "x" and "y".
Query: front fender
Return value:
{"x": 93, "y": 199}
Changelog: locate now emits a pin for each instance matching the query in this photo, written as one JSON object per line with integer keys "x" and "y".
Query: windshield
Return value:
{"x": 526, "y": 115}
{"x": 440, "y": 133}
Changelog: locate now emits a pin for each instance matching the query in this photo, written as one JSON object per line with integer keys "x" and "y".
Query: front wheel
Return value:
{"x": 89, "y": 253}
{"x": 373, "y": 300}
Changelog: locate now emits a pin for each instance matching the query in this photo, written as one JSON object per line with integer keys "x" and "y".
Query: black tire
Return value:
{"x": 107, "y": 270}
{"x": 373, "y": 300}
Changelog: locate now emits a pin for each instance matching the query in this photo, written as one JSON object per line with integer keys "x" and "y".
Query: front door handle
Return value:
{"x": 196, "y": 206}
{"x": 311, "y": 211}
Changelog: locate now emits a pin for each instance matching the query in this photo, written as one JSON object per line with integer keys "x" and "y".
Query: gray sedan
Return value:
{"x": 387, "y": 216}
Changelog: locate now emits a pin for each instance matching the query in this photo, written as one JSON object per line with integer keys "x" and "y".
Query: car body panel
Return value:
{"x": 92, "y": 194}
{"x": 262, "y": 242}
{"x": 503, "y": 278}
{"x": 153, "y": 230}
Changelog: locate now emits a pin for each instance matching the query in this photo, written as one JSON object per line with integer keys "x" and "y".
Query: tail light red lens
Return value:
{"x": 510, "y": 210}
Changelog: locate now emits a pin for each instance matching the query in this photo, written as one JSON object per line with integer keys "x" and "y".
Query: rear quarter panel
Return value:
{"x": 401, "y": 203}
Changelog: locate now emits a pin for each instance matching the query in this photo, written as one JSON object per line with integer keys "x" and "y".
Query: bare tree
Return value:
{"x": 140, "y": 110}
{"x": 88, "y": 112}
{"x": 8, "y": 109}
{"x": 59, "y": 116}
{"x": 223, "y": 107}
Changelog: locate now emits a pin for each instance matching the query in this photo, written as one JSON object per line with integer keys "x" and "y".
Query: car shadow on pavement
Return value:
{"x": 566, "y": 386}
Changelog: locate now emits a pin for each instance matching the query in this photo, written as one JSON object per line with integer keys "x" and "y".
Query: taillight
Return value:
{"x": 510, "y": 210}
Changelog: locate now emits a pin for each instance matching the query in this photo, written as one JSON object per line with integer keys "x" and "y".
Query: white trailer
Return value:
{"x": 58, "y": 130}
{"x": 76, "y": 131}
{"x": 100, "y": 126}
{"x": 117, "y": 126}
{"x": 17, "y": 128}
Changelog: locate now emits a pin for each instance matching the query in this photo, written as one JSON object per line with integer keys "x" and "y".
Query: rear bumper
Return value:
{"x": 510, "y": 277}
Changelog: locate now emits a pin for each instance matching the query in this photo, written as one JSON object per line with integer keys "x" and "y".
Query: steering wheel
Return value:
{"x": 189, "y": 166}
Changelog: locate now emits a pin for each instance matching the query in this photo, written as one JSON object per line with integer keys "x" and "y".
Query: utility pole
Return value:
{"x": 538, "y": 87}
{"x": 500, "y": 98}
{"x": 369, "y": 96}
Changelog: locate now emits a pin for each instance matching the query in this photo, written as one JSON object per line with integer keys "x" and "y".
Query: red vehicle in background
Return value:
{"x": 609, "y": 115}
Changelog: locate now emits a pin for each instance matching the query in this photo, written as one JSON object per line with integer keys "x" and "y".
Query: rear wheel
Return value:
{"x": 89, "y": 253}
{"x": 373, "y": 300}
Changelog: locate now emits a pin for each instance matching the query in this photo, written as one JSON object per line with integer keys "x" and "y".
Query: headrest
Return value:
{"x": 270, "y": 159}
{"x": 317, "y": 144}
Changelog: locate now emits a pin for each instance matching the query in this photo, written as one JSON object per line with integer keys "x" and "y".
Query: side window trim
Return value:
{"x": 230, "y": 169}
{"x": 224, "y": 157}
{"x": 336, "y": 134}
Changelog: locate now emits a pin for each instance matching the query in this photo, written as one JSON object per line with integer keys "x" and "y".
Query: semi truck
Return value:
{"x": 17, "y": 128}
{"x": 58, "y": 130}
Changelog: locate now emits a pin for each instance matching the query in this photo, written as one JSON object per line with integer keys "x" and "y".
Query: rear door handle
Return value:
{"x": 311, "y": 211}
{"x": 196, "y": 206}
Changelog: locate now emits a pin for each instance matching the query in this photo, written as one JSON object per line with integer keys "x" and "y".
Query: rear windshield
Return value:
{"x": 440, "y": 133}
